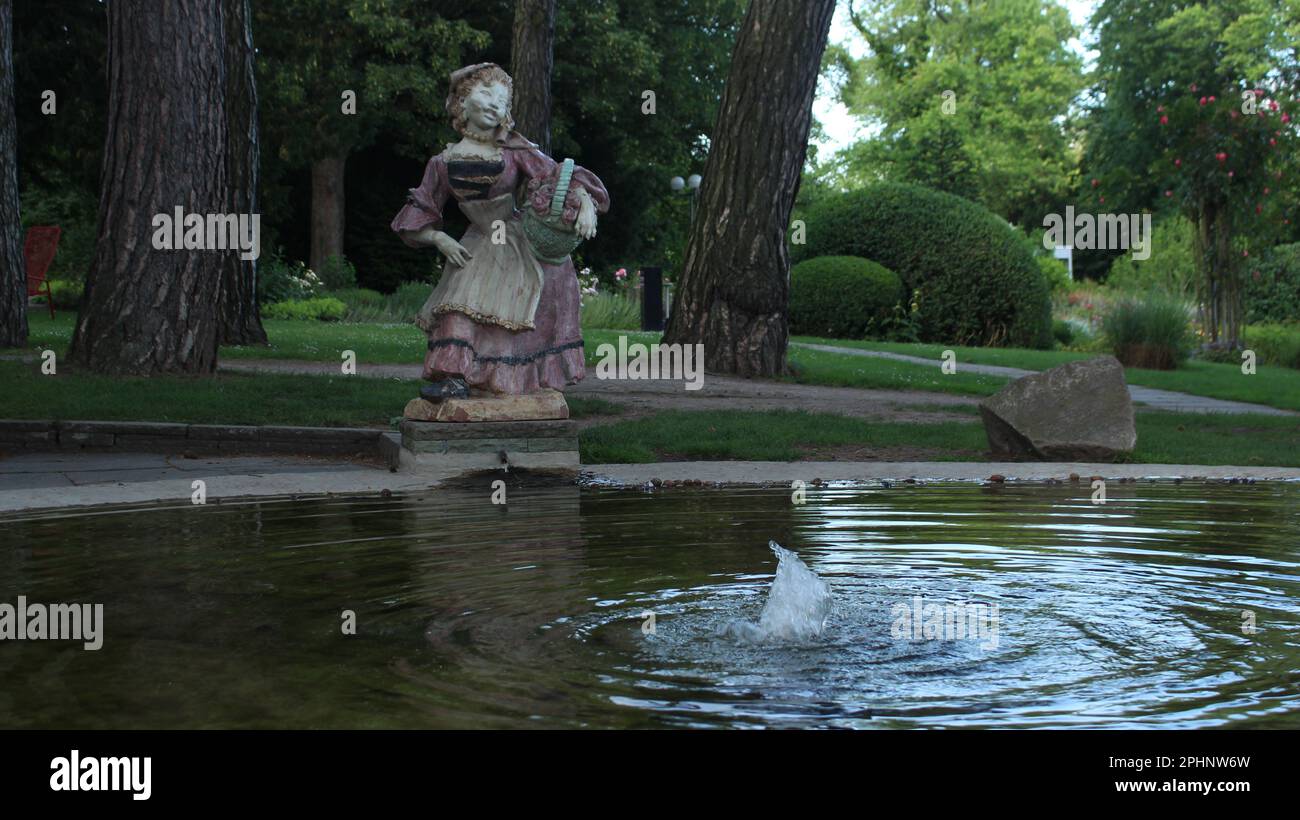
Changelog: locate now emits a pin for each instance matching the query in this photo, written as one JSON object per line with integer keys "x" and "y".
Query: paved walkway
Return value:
{"x": 1150, "y": 396}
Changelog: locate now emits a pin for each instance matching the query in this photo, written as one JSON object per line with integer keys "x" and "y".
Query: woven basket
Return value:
{"x": 549, "y": 237}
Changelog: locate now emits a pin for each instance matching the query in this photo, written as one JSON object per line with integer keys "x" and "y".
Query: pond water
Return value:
{"x": 537, "y": 613}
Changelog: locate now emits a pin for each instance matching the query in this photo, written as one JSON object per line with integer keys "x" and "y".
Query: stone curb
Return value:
{"x": 135, "y": 436}
{"x": 812, "y": 473}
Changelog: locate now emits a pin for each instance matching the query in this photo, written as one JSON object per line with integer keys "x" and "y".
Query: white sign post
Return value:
{"x": 1067, "y": 253}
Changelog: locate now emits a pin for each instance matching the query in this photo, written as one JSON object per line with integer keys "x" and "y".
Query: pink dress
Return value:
{"x": 504, "y": 322}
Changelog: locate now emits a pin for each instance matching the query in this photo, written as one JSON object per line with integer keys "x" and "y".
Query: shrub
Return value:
{"x": 610, "y": 311}
{"x": 1151, "y": 331}
{"x": 55, "y": 200}
{"x": 1275, "y": 344}
{"x": 323, "y": 308}
{"x": 1171, "y": 266}
{"x": 1272, "y": 292}
{"x": 67, "y": 294}
{"x": 364, "y": 305}
{"x": 407, "y": 300}
{"x": 337, "y": 273}
{"x": 1063, "y": 332}
{"x": 976, "y": 280}
{"x": 1054, "y": 271}
{"x": 843, "y": 297}
{"x": 279, "y": 281}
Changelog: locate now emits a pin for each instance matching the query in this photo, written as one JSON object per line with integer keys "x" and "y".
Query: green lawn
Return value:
{"x": 263, "y": 398}
{"x": 782, "y": 435}
{"x": 1163, "y": 438}
{"x": 229, "y": 398}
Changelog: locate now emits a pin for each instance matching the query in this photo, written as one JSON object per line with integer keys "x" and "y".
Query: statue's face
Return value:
{"x": 486, "y": 105}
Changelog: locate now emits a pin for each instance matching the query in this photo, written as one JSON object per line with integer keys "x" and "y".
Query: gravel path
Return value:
{"x": 639, "y": 398}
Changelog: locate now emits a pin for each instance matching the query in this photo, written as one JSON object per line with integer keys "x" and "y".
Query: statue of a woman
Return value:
{"x": 499, "y": 320}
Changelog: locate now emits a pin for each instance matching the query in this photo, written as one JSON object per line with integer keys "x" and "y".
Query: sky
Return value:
{"x": 843, "y": 129}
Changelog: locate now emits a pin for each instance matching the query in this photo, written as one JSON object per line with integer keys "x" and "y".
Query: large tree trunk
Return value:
{"x": 241, "y": 323}
{"x": 734, "y": 286}
{"x": 531, "y": 60}
{"x": 326, "y": 209}
{"x": 13, "y": 272}
{"x": 149, "y": 310}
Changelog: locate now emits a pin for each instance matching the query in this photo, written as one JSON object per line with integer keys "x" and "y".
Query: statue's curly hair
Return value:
{"x": 489, "y": 73}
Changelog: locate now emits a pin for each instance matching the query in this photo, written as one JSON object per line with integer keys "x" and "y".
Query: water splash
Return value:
{"x": 797, "y": 607}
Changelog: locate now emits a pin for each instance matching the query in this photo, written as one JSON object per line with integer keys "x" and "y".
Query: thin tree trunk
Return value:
{"x": 326, "y": 209}
{"x": 241, "y": 323}
{"x": 13, "y": 272}
{"x": 734, "y": 287}
{"x": 149, "y": 310}
{"x": 531, "y": 61}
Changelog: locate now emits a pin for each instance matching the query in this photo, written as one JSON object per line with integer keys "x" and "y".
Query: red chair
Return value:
{"x": 38, "y": 250}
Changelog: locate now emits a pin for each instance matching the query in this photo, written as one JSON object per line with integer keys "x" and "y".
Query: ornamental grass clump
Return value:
{"x": 1151, "y": 331}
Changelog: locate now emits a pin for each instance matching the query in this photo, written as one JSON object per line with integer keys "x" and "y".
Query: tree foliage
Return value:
{"x": 971, "y": 98}
{"x": 1196, "y": 112}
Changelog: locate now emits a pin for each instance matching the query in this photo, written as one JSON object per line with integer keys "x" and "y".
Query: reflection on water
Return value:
{"x": 538, "y": 613}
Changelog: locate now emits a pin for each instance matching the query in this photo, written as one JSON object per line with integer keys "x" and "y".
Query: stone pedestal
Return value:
{"x": 539, "y": 406}
{"x": 440, "y": 445}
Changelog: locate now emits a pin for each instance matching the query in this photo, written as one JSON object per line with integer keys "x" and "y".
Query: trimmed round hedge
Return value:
{"x": 974, "y": 278}
{"x": 843, "y": 297}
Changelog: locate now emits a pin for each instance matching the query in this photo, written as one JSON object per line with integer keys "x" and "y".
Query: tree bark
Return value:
{"x": 734, "y": 288}
{"x": 241, "y": 321}
{"x": 13, "y": 272}
{"x": 326, "y": 209}
{"x": 531, "y": 61}
{"x": 152, "y": 310}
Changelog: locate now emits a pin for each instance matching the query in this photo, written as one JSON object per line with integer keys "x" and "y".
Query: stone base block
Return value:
{"x": 543, "y": 444}
{"x": 542, "y": 405}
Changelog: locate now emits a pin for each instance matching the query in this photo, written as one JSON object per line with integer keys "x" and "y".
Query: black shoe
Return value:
{"x": 445, "y": 389}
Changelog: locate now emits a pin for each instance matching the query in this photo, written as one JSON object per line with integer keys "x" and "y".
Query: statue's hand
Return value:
{"x": 453, "y": 250}
{"x": 586, "y": 222}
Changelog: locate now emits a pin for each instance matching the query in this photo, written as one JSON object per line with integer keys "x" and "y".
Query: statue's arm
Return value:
{"x": 419, "y": 222}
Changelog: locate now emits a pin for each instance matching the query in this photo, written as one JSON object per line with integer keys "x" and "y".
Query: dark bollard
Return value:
{"x": 652, "y": 299}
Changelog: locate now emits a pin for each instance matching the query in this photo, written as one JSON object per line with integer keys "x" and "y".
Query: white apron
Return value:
{"x": 501, "y": 283}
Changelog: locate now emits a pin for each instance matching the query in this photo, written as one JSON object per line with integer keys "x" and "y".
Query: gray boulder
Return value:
{"x": 1079, "y": 411}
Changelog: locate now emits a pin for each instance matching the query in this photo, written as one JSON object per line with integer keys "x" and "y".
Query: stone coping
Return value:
{"x": 148, "y": 436}
{"x": 687, "y": 475}
{"x": 760, "y": 473}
